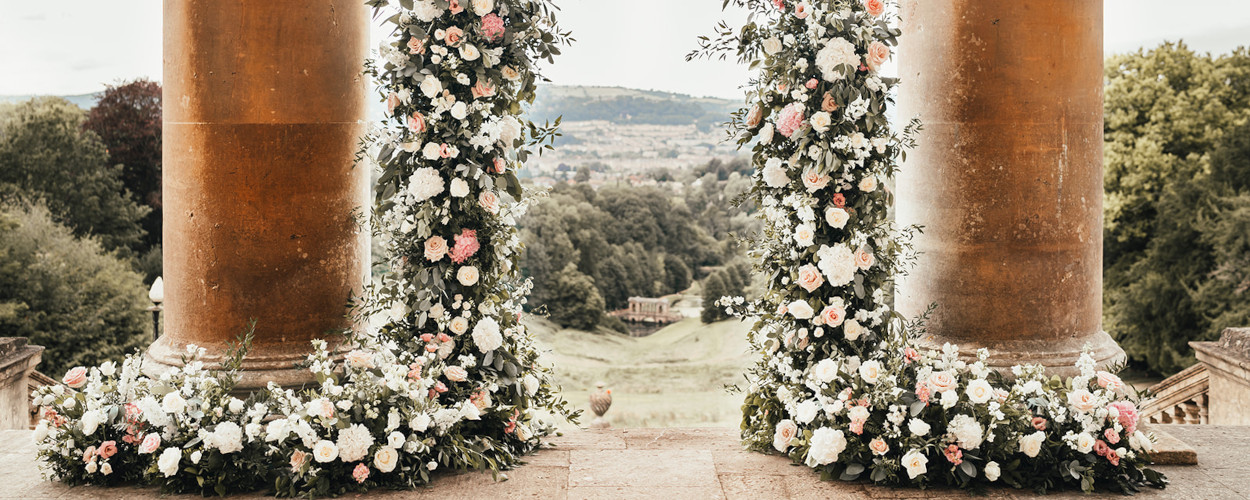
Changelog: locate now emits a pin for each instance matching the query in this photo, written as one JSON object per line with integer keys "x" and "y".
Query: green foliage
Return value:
{"x": 45, "y": 155}
{"x": 729, "y": 281}
{"x": 1176, "y": 165}
{"x": 574, "y": 301}
{"x": 66, "y": 293}
{"x": 127, "y": 119}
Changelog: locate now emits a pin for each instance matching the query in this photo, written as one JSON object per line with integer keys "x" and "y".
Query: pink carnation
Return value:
{"x": 492, "y": 26}
{"x": 953, "y": 454}
{"x": 1128, "y": 415}
{"x": 466, "y": 246}
{"x": 791, "y": 119}
{"x": 361, "y": 473}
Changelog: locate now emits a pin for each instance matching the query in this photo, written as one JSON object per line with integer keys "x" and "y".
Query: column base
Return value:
{"x": 1059, "y": 356}
{"x": 264, "y": 363}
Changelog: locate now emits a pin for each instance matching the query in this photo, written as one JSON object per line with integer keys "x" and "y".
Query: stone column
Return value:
{"x": 1007, "y": 179}
{"x": 17, "y": 361}
{"x": 263, "y": 103}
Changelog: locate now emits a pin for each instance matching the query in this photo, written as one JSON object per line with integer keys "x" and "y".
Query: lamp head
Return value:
{"x": 157, "y": 293}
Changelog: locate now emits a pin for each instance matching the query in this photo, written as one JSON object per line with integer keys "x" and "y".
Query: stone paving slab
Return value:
{"x": 683, "y": 464}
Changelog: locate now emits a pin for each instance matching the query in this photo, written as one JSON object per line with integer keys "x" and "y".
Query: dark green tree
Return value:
{"x": 676, "y": 274}
{"x": 66, "y": 293}
{"x": 127, "y": 118}
{"x": 46, "y": 155}
{"x": 575, "y": 302}
{"x": 713, "y": 290}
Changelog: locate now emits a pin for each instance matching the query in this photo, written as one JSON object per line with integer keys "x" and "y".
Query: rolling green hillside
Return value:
{"x": 632, "y": 106}
{"x": 675, "y": 377}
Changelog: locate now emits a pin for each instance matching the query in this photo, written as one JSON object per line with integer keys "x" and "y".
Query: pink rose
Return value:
{"x": 492, "y": 27}
{"x": 416, "y": 45}
{"x": 815, "y": 181}
{"x": 107, "y": 449}
{"x": 444, "y": 150}
{"x": 1114, "y": 458}
{"x": 832, "y": 315}
{"x": 1109, "y": 381}
{"x": 483, "y": 89}
{"x": 781, "y": 4}
{"x": 298, "y": 457}
{"x": 500, "y": 165}
{"x": 454, "y": 34}
{"x": 1128, "y": 415}
{"x": 392, "y": 102}
{"x": 1112, "y": 436}
{"x": 1039, "y": 423}
{"x": 466, "y": 246}
{"x": 754, "y": 116}
{"x": 489, "y": 201}
{"x": 76, "y": 377}
{"x": 455, "y": 7}
{"x": 879, "y": 446}
{"x": 810, "y": 278}
{"x": 88, "y": 455}
{"x": 361, "y": 472}
{"x": 878, "y": 54}
{"x": 791, "y": 119}
{"x": 811, "y": 84}
{"x": 151, "y": 442}
{"x": 863, "y": 259}
{"x": 839, "y": 200}
{"x": 942, "y": 381}
{"x": 416, "y": 122}
{"x": 874, "y": 7}
{"x": 435, "y": 248}
{"x": 828, "y": 104}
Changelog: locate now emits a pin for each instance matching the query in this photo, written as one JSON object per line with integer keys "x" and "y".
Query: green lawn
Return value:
{"x": 675, "y": 377}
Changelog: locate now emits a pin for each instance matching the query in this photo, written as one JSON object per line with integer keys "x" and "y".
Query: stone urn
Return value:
{"x": 600, "y": 401}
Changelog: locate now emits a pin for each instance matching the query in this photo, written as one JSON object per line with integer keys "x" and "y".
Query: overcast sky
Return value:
{"x": 76, "y": 46}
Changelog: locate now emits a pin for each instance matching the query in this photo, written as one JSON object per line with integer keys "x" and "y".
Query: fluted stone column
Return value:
{"x": 1007, "y": 179}
{"x": 262, "y": 110}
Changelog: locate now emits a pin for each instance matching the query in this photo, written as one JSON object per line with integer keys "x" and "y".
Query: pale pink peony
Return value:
{"x": 1128, "y": 415}
{"x": 76, "y": 377}
{"x": 361, "y": 472}
{"x": 879, "y": 446}
{"x": 810, "y": 278}
{"x": 492, "y": 26}
{"x": 456, "y": 374}
{"x": 298, "y": 457}
{"x": 790, "y": 120}
{"x": 1081, "y": 400}
{"x": 815, "y": 181}
{"x": 435, "y": 248}
{"x": 874, "y": 7}
{"x": 466, "y": 246}
{"x": 878, "y": 54}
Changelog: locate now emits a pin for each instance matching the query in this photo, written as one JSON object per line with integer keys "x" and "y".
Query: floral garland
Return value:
{"x": 446, "y": 376}
{"x": 840, "y": 386}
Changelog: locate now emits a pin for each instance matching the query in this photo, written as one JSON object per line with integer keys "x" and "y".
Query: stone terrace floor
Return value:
{"x": 684, "y": 464}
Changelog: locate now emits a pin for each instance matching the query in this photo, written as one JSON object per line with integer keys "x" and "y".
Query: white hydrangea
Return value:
{"x": 486, "y": 334}
{"x": 837, "y": 263}
{"x": 774, "y": 173}
{"x": 227, "y": 438}
{"x": 354, "y": 442}
{"x": 836, "y": 52}
{"x": 425, "y": 183}
{"x": 826, "y": 445}
{"x": 966, "y": 431}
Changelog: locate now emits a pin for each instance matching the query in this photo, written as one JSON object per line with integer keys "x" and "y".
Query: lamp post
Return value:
{"x": 156, "y": 295}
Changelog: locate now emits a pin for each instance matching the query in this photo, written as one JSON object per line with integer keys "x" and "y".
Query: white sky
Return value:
{"x": 76, "y": 46}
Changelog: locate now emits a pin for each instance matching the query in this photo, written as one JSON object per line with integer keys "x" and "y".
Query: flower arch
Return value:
{"x": 447, "y": 376}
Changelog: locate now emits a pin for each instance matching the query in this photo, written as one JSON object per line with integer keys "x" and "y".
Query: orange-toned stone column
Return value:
{"x": 262, "y": 118}
{"x": 1007, "y": 179}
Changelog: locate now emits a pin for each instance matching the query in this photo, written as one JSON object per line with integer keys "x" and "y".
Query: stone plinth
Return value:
{"x": 263, "y": 204}
{"x": 17, "y": 360}
{"x": 1228, "y": 371}
{"x": 1007, "y": 178}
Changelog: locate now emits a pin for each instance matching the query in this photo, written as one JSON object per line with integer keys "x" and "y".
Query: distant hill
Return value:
{"x": 629, "y": 106}
{"x": 84, "y": 101}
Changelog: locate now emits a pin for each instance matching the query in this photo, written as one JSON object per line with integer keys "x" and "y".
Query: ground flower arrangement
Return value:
{"x": 445, "y": 377}
{"x": 842, "y": 386}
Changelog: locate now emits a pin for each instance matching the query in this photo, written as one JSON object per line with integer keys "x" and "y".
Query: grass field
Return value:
{"x": 675, "y": 377}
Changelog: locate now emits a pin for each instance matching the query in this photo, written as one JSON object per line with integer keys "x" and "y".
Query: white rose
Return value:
{"x": 509, "y": 130}
{"x": 467, "y": 276}
{"x": 804, "y": 235}
{"x": 325, "y": 451}
{"x": 806, "y": 411}
{"x": 870, "y": 371}
{"x": 868, "y": 184}
{"x": 800, "y": 309}
{"x": 431, "y": 87}
{"x": 459, "y": 188}
{"x": 820, "y": 121}
{"x": 459, "y": 111}
{"x": 385, "y": 459}
{"x": 836, "y": 217}
{"x": 92, "y": 467}
{"x": 949, "y": 399}
{"x": 483, "y": 7}
{"x": 979, "y": 391}
{"x": 786, "y": 431}
{"x": 531, "y": 384}
{"x": 106, "y": 469}
{"x": 992, "y": 471}
{"x": 168, "y": 462}
{"x": 918, "y": 427}
{"x": 420, "y": 423}
{"x": 469, "y": 53}
{"x": 459, "y": 325}
{"x": 1031, "y": 444}
{"x": 766, "y": 133}
{"x": 395, "y": 439}
{"x": 826, "y": 370}
{"x": 1084, "y": 443}
{"x": 772, "y": 45}
{"x": 432, "y": 151}
{"x": 915, "y": 463}
{"x": 826, "y": 445}
{"x": 90, "y": 422}
{"x": 852, "y": 330}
